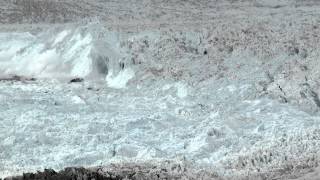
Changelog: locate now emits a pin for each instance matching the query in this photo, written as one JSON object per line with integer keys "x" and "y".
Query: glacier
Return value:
{"x": 143, "y": 101}
{"x": 61, "y": 54}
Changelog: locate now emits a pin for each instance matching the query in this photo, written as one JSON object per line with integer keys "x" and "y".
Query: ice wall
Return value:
{"x": 86, "y": 52}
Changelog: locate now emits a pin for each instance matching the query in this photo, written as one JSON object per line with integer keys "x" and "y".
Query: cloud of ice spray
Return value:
{"x": 87, "y": 52}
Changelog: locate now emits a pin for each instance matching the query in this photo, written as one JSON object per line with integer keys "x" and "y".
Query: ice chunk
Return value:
{"x": 120, "y": 80}
{"x": 182, "y": 90}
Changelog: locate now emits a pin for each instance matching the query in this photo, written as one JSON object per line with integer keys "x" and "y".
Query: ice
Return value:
{"x": 182, "y": 90}
{"x": 231, "y": 87}
{"x": 121, "y": 79}
{"x": 60, "y": 37}
{"x": 57, "y": 125}
{"x": 159, "y": 99}
{"x": 77, "y": 100}
{"x": 55, "y": 53}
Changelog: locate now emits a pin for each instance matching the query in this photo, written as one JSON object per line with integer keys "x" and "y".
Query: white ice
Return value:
{"x": 133, "y": 116}
{"x": 74, "y": 52}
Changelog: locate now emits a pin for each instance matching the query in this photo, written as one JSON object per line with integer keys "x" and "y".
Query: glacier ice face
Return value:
{"x": 72, "y": 52}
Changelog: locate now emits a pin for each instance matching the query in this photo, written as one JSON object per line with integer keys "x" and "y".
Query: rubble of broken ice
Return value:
{"x": 147, "y": 96}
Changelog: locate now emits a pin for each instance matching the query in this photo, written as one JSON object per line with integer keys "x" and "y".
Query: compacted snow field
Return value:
{"x": 237, "y": 98}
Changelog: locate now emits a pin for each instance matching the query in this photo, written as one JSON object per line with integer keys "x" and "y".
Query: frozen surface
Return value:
{"x": 228, "y": 86}
{"x": 139, "y": 110}
{"x": 45, "y": 125}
